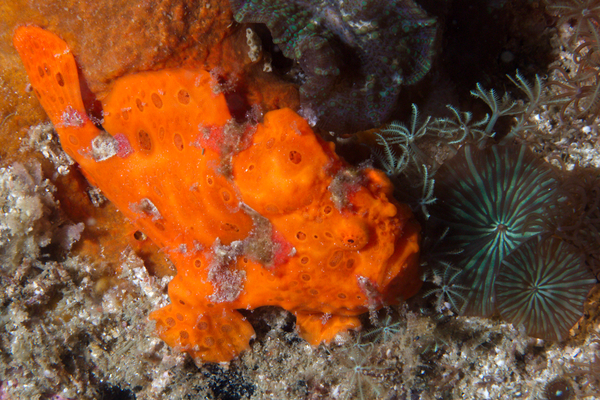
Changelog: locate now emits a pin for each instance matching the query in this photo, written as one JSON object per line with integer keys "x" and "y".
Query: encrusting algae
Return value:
{"x": 250, "y": 214}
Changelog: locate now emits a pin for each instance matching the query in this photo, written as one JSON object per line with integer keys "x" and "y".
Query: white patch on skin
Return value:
{"x": 104, "y": 146}
{"x": 72, "y": 118}
{"x": 146, "y": 207}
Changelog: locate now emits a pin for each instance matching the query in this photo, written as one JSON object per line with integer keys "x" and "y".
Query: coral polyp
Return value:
{"x": 542, "y": 284}
{"x": 491, "y": 200}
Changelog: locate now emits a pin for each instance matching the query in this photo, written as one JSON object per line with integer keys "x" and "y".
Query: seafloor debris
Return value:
{"x": 32, "y": 226}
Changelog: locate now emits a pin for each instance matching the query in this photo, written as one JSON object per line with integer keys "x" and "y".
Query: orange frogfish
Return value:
{"x": 251, "y": 214}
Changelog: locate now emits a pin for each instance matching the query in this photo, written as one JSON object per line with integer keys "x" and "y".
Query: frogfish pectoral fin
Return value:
{"x": 213, "y": 334}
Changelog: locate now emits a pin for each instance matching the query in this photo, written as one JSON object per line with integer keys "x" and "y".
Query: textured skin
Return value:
{"x": 356, "y": 54}
{"x": 246, "y": 213}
